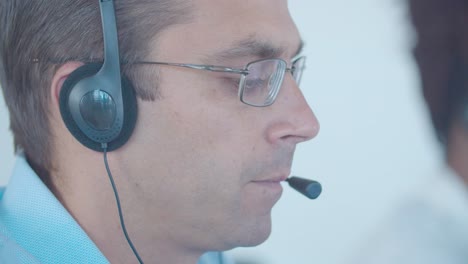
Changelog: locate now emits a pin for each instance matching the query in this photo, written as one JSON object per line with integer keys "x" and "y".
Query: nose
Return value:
{"x": 294, "y": 120}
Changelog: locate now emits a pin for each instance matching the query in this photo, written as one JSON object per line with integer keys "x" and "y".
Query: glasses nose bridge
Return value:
{"x": 290, "y": 89}
{"x": 292, "y": 70}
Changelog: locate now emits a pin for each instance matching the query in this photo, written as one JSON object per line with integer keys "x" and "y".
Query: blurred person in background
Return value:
{"x": 432, "y": 226}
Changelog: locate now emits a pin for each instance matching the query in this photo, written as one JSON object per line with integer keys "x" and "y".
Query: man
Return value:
{"x": 202, "y": 168}
{"x": 432, "y": 227}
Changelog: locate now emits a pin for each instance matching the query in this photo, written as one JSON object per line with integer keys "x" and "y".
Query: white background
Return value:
{"x": 375, "y": 144}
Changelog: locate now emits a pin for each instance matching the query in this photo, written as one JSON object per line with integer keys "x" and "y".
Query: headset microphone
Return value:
{"x": 311, "y": 189}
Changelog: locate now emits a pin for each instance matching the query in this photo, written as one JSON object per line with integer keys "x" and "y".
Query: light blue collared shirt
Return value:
{"x": 36, "y": 228}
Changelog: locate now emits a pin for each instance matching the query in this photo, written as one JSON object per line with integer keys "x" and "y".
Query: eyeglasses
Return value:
{"x": 261, "y": 80}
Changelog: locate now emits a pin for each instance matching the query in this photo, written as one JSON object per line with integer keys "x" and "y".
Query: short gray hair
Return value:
{"x": 68, "y": 30}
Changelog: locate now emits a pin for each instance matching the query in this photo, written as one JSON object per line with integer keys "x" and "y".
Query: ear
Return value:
{"x": 60, "y": 75}
{"x": 59, "y": 78}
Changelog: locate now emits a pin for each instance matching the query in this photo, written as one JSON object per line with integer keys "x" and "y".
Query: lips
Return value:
{"x": 271, "y": 186}
{"x": 276, "y": 179}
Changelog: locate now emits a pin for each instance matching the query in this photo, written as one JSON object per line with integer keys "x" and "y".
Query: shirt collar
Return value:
{"x": 38, "y": 222}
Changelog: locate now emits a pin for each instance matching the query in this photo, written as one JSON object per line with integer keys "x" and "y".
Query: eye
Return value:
{"x": 254, "y": 83}
{"x": 257, "y": 78}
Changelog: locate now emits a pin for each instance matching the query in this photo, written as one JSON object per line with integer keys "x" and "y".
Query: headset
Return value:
{"x": 97, "y": 104}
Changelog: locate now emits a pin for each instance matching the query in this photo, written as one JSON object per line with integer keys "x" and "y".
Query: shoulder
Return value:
{"x": 11, "y": 252}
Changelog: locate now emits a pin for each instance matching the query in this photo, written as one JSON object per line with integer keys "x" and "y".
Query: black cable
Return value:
{"x": 122, "y": 223}
{"x": 220, "y": 257}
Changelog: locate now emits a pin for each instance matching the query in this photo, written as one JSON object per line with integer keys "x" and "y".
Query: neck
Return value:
{"x": 457, "y": 150}
{"x": 83, "y": 187}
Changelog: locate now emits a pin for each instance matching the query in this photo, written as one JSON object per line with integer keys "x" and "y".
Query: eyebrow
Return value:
{"x": 252, "y": 47}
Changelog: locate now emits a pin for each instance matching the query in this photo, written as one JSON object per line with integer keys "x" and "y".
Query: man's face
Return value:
{"x": 205, "y": 166}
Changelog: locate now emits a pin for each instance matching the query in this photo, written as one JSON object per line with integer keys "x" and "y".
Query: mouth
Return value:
{"x": 272, "y": 184}
{"x": 276, "y": 179}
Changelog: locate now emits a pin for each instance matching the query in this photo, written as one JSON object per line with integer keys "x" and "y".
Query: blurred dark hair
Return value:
{"x": 441, "y": 53}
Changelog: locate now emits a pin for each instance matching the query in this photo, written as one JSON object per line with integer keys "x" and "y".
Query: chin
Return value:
{"x": 258, "y": 239}
{"x": 255, "y": 234}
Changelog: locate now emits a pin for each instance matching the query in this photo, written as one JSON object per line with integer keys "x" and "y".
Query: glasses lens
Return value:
{"x": 261, "y": 85}
{"x": 298, "y": 68}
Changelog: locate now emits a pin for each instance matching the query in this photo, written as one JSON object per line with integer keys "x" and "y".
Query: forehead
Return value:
{"x": 217, "y": 25}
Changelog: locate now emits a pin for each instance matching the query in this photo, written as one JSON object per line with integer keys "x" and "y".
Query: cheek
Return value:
{"x": 199, "y": 154}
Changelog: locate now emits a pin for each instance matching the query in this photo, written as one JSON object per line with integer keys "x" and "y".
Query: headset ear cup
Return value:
{"x": 130, "y": 114}
{"x": 129, "y": 105}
